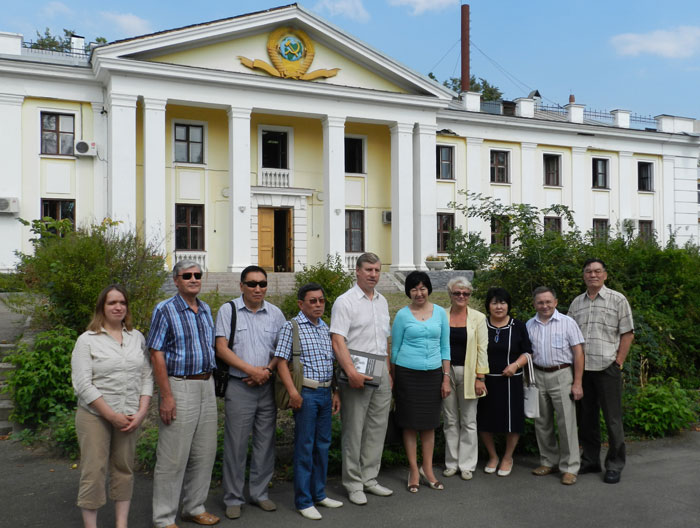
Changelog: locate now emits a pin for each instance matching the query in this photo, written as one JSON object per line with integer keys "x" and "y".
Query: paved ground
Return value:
{"x": 659, "y": 488}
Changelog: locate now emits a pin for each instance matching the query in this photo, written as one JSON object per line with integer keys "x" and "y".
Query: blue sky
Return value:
{"x": 639, "y": 55}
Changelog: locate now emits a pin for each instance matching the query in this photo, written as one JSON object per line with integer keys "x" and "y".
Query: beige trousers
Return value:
{"x": 459, "y": 425}
{"x": 102, "y": 447}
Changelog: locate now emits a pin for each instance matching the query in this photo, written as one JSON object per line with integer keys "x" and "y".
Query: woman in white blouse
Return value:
{"x": 113, "y": 381}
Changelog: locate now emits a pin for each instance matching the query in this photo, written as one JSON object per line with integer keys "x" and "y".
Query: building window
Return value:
{"x": 274, "y": 150}
{"x": 57, "y": 133}
{"x": 600, "y": 173}
{"x": 445, "y": 225}
{"x": 552, "y": 223}
{"x": 552, "y": 172}
{"x": 189, "y": 143}
{"x": 354, "y": 231}
{"x": 500, "y": 232}
{"x": 189, "y": 227}
{"x": 600, "y": 228}
{"x": 645, "y": 176}
{"x": 354, "y": 155}
{"x": 58, "y": 209}
{"x": 646, "y": 230}
{"x": 499, "y": 166}
{"x": 445, "y": 162}
{"x": 699, "y": 192}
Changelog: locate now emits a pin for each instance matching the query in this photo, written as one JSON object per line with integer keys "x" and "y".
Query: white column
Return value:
{"x": 121, "y": 187}
{"x": 101, "y": 161}
{"x": 402, "y": 197}
{"x": 669, "y": 208}
{"x": 334, "y": 186}
{"x": 475, "y": 183}
{"x": 11, "y": 179}
{"x": 239, "y": 185}
{"x": 424, "y": 194}
{"x": 627, "y": 187}
{"x": 685, "y": 176}
{"x": 528, "y": 176}
{"x": 581, "y": 181}
{"x": 154, "y": 213}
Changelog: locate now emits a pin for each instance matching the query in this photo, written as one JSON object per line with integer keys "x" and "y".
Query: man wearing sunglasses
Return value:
{"x": 250, "y": 399}
{"x": 181, "y": 341}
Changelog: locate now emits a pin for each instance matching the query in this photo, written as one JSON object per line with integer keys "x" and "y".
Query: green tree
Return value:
{"x": 51, "y": 42}
{"x": 489, "y": 92}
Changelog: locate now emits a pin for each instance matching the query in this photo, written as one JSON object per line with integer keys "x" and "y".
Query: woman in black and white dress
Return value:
{"x": 501, "y": 410}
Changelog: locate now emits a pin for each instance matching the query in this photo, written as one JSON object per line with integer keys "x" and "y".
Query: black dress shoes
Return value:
{"x": 612, "y": 476}
{"x": 590, "y": 468}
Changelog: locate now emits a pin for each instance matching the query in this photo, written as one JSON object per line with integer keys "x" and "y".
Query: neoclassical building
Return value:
{"x": 276, "y": 138}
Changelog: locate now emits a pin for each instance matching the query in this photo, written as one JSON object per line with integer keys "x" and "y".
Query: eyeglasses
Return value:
{"x": 188, "y": 275}
{"x": 253, "y": 284}
{"x": 314, "y": 300}
{"x": 461, "y": 294}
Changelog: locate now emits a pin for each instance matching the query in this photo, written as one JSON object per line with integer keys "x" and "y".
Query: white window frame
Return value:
{"x": 653, "y": 175}
{"x": 205, "y": 141}
{"x": 77, "y": 130}
{"x": 609, "y": 175}
{"x": 364, "y": 154}
{"x": 454, "y": 162}
{"x": 561, "y": 169}
{"x": 509, "y": 176}
{"x": 290, "y": 144}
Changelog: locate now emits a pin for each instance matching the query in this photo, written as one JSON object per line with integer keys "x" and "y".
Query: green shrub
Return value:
{"x": 70, "y": 268}
{"x": 330, "y": 274}
{"x": 10, "y": 282}
{"x": 467, "y": 251}
{"x": 62, "y": 435}
{"x": 41, "y": 385}
{"x": 146, "y": 446}
{"x": 660, "y": 408}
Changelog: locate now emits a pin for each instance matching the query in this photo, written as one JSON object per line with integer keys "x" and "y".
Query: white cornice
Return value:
{"x": 104, "y": 67}
{"x": 541, "y": 125}
{"x": 26, "y": 69}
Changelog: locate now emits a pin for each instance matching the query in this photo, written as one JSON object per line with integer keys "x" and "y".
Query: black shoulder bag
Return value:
{"x": 221, "y": 370}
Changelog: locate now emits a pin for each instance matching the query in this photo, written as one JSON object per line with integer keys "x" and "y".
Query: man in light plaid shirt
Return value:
{"x": 605, "y": 319}
{"x": 314, "y": 406}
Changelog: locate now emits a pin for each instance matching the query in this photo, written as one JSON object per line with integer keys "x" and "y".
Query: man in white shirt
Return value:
{"x": 557, "y": 355}
{"x": 360, "y": 321}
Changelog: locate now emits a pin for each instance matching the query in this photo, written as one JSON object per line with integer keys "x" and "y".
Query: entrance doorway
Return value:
{"x": 275, "y": 239}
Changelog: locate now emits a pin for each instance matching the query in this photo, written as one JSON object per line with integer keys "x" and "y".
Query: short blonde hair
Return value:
{"x": 459, "y": 282}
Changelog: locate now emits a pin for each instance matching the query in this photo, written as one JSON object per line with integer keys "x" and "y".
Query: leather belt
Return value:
{"x": 313, "y": 384}
{"x": 553, "y": 369}
{"x": 201, "y": 376}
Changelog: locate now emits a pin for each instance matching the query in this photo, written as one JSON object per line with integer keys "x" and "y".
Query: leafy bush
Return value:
{"x": 70, "y": 267}
{"x": 330, "y": 274}
{"x": 40, "y": 385}
{"x": 660, "y": 408}
{"x": 146, "y": 446}
{"x": 62, "y": 434}
{"x": 10, "y": 282}
{"x": 467, "y": 251}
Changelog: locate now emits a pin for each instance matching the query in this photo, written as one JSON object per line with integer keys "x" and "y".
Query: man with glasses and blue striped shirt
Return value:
{"x": 181, "y": 341}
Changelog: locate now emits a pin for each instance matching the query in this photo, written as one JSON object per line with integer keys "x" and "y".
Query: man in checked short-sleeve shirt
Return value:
{"x": 605, "y": 319}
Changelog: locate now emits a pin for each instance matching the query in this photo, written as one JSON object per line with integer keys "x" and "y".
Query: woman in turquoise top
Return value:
{"x": 420, "y": 357}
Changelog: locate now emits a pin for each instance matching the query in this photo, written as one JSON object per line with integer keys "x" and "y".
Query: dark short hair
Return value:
{"x": 497, "y": 294}
{"x": 591, "y": 261}
{"x": 543, "y": 289}
{"x": 252, "y": 269}
{"x": 414, "y": 278}
{"x": 306, "y": 288}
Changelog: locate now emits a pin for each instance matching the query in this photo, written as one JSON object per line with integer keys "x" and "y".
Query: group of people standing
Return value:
{"x": 458, "y": 361}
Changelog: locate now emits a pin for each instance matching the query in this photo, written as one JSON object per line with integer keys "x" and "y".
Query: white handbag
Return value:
{"x": 531, "y": 394}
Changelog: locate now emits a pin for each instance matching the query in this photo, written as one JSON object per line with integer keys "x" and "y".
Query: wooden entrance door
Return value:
{"x": 266, "y": 238}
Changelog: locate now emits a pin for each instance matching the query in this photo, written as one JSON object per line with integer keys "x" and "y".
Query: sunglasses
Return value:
{"x": 461, "y": 294}
{"x": 314, "y": 300}
{"x": 188, "y": 275}
{"x": 253, "y": 284}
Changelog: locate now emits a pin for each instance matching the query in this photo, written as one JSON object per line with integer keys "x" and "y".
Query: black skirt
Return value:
{"x": 418, "y": 398}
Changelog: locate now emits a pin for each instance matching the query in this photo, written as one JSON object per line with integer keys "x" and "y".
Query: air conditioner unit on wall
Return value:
{"x": 9, "y": 205}
{"x": 85, "y": 148}
{"x": 386, "y": 217}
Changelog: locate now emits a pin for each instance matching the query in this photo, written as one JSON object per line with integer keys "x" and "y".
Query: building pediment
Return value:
{"x": 287, "y": 42}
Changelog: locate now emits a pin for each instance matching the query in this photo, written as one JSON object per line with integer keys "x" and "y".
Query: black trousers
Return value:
{"x": 602, "y": 390}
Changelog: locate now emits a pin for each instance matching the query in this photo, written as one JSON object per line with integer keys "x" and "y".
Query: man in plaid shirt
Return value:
{"x": 314, "y": 406}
